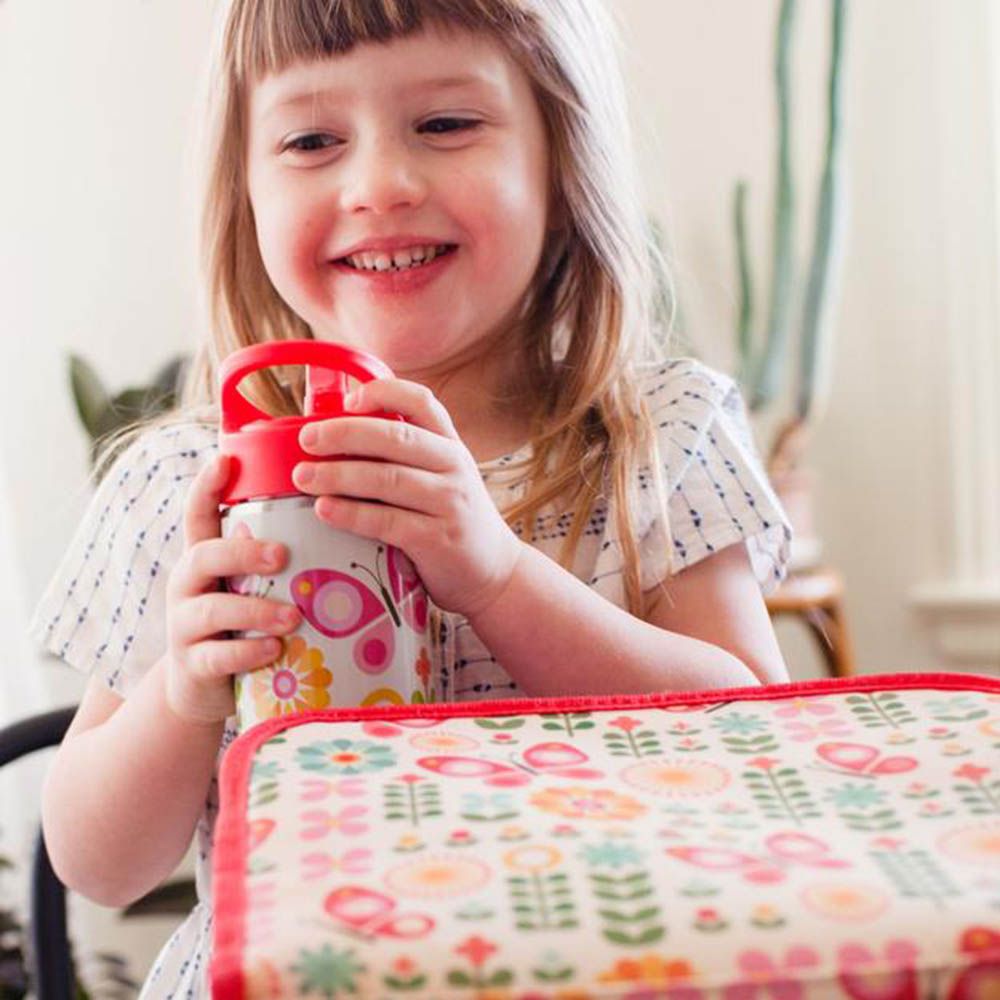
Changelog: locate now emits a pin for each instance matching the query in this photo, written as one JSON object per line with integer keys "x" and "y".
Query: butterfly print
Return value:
{"x": 371, "y": 914}
{"x": 339, "y": 604}
{"x": 861, "y": 759}
{"x": 781, "y": 851}
{"x": 557, "y": 759}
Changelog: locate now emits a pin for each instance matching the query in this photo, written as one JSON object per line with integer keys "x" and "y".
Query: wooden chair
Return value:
{"x": 817, "y": 597}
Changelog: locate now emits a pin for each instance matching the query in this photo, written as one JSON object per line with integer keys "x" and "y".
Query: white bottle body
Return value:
{"x": 366, "y": 633}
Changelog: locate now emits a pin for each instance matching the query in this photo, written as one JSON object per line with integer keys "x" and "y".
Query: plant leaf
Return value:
{"x": 89, "y": 394}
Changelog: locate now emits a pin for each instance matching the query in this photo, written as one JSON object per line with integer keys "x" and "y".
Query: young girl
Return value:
{"x": 446, "y": 184}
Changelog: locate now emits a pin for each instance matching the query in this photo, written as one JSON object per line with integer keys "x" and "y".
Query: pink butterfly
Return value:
{"x": 859, "y": 758}
{"x": 338, "y": 604}
{"x": 558, "y": 759}
{"x": 782, "y": 850}
{"x": 370, "y": 914}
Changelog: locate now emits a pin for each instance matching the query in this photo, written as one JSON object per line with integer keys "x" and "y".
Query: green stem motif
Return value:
{"x": 782, "y": 794}
{"x": 879, "y": 710}
{"x": 987, "y": 793}
{"x": 540, "y": 901}
{"x": 411, "y": 801}
{"x": 916, "y": 874}
{"x": 790, "y": 809}
{"x": 991, "y": 798}
{"x": 564, "y": 721}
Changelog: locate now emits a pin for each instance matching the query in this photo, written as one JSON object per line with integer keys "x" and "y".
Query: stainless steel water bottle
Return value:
{"x": 365, "y": 637}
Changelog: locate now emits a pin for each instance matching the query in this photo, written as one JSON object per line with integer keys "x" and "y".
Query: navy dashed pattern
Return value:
{"x": 717, "y": 493}
{"x": 103, "y": 609}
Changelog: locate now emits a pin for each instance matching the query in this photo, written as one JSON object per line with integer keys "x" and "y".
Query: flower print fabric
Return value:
{"x": 680, "y": 846}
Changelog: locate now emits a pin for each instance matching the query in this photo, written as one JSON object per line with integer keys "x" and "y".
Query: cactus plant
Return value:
{"x": 762, "y": 367}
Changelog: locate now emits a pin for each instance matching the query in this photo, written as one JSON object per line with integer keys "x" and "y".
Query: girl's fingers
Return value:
{"x": 200, "y": 568}
{"x": 426, "y": 438}
{"x": 390, "y": 525}
{"x": 207, "y": 615}
{"x": 411, "y": 400}
{"x": 234, "y": 656}
{"x": 398, "y": 485}
{"x": 372, "y": 437}
{"x": 201, "y": 509}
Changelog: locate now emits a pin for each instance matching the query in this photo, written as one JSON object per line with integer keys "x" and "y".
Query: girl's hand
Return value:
{"x": 431, "y": 501}
{"x": 200, "y": 660}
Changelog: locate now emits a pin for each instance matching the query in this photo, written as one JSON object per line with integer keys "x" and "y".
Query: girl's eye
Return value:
{"x": 442, "y": 126}
{"x": 311, "y": 142}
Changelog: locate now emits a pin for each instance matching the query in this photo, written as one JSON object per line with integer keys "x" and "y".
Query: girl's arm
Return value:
{"x": 125, "y": 790}
{"x": 554, "y": 635}
{"x": 718, "y": 600}
{"x": 128, "y": 783}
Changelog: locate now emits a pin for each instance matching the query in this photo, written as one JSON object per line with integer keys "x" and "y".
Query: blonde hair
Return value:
{"x": 587, "y": 320}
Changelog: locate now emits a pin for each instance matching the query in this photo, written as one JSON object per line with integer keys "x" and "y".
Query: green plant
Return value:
{"x": 102, "y": 413}
{"x": 763, "y": 361}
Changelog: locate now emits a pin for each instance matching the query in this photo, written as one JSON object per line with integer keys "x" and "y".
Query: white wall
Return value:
{"x": 702, "y": 75}
{"x": 95, "y": 102}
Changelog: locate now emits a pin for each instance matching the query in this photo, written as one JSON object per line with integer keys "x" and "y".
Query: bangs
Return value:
{"x": 270, "y": 35}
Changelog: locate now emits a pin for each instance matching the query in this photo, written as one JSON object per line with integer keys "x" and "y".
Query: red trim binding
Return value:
{"x": 231, "y": 834}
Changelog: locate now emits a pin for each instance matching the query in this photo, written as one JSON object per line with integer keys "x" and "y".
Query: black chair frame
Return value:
{"x": 49, "y": 956}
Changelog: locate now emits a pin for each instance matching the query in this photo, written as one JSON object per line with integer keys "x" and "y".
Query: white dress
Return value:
{"x": 103, "y": 608}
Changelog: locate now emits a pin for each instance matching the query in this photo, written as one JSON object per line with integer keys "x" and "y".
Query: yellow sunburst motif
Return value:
{"x": 581, "y": 802}
{"x": 297, "y": 681}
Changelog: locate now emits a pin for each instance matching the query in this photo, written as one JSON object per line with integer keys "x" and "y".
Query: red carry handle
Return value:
{"x": 334, "y": 359}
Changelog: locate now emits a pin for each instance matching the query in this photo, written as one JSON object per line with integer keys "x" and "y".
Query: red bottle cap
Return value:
{"x": 265, "y": 449}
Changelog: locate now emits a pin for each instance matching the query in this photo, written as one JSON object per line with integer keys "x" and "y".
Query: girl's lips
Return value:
{"x": 398, "y": 282}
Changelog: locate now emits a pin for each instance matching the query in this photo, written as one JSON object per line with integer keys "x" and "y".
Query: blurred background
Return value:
{"x": 97, "y": 111}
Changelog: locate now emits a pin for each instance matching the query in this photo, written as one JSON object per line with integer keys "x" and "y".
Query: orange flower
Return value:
{"x": 423, "y": 667}
{"x": 650, "y": 969}
{"x": 296, "y": 682}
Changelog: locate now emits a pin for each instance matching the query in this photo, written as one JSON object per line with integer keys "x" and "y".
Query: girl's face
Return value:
{"x": 428, "y": 151}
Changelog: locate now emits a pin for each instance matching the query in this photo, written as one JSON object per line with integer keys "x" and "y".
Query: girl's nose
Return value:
{"x": 382, "y": 176}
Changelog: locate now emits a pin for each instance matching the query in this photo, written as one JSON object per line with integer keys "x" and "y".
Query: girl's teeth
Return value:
{"x": 401, "y": 260}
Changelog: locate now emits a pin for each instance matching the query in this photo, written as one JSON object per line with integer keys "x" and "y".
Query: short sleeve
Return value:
{"x": 718, "y": 492}
{"x": 103, "y": 610}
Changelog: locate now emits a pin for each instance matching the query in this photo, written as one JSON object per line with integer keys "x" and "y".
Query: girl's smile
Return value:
{"x": 396, "y": 270}
{"x": 400, "y": 194}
